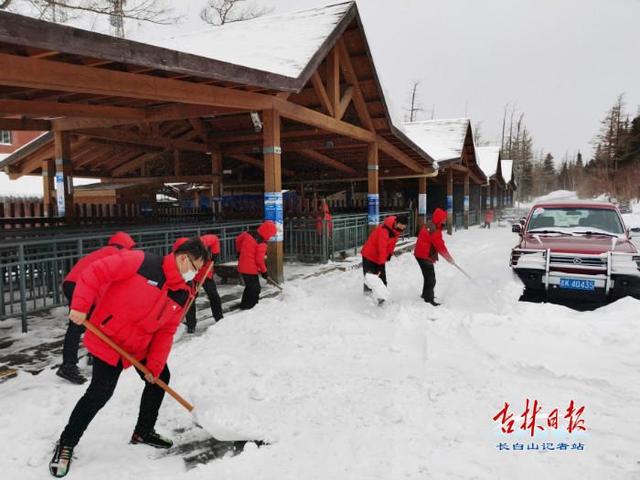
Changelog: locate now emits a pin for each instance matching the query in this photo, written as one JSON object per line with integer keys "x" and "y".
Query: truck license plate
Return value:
{"x": 577, "y": 284}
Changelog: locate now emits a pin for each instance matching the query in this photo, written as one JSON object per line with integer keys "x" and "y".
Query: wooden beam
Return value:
{"x": 397, "y": 154}
{"x": 133, "y": 164}
{"x": 24, "y": 124}
{"x": 206, "y": 179}
{"x": 62, "y": 148}
{"x": 316, "y": 119}
{"x": 56, "y": 109}
{"x": 328, "y": 161}
{"x": 352, "y": 78}
{"x": 176, "y": 163}
{"x": 373, "y": 186}
{"x": 333, "y": 80}
{"x": 48, "y": 187}
{"x": 273, "y": 185}
{"x": 52, "y": 75}
{"x": 200, "y": 128}
{"x": 344, "y": 102}
{"x": 122, "y": 136}
{"x": 321, "y": 93}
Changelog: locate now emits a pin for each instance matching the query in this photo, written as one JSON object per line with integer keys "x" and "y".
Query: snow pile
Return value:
{"x": 344, "y": 389}
{"x": 558, "y": 196}
{"x": 377, "y": 286}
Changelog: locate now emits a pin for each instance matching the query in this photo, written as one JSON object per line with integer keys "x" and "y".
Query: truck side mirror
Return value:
{"x": 516, "y": 228}
{"x": 634, "y": 232}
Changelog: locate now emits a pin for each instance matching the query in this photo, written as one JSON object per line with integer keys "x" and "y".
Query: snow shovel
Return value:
{"x": 218, "y": 432}
{"x": 274, "y": 283}
{"x": 463, "y": 272}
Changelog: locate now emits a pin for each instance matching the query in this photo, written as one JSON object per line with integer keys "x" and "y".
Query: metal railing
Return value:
{"x": 32, "y": 271}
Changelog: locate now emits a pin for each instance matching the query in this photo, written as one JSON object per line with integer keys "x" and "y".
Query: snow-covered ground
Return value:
{"x": 344, "y": 389}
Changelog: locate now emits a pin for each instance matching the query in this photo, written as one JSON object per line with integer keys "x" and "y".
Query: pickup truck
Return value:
{"x": 576, "y": 250}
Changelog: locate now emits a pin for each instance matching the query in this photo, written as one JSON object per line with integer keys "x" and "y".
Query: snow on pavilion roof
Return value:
{"x": 487, "y": 158}
{"x": 442, "y": 139}
{"x": 282, "y": 44}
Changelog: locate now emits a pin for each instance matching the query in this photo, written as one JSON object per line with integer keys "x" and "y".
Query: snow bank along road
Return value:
{"x": 347, "y": 390}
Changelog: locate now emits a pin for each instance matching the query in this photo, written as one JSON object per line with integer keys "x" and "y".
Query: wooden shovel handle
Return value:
{"x": 95, "y": 330}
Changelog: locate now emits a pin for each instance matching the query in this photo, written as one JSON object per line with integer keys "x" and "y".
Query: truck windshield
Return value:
{"x": 576, "y": 220}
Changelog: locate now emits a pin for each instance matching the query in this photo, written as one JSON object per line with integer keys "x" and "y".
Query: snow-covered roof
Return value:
{"x": 487, "y": 158}
{"x": 282, "y": 44}
{"x": 507, "y": 170}
{"x": 442, "y": 139}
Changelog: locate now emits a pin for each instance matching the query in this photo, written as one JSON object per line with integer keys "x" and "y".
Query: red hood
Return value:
{"x": 123, "y": 240}
{"x": 210, "y": 241}
{"x": 594, "y": 244}
{"x": 439, "y": 217}
{"x": 267, "y": 230}
{"x": 390, "y": 221}
{"x": 172, "y": 274}
{"x": 178, "y": 243}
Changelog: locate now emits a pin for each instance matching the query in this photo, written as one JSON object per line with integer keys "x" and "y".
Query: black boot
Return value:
{"x": 433, "y": 302}
{"x": 60, "y": 463}
{"x": 71, "y": 373}
{"x": 152, "y": 438}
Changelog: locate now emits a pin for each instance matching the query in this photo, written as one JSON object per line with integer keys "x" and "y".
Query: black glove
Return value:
{"x": 265, "y": 275}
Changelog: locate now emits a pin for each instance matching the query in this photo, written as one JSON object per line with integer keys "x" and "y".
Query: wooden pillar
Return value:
{"x": 48, "y": 186}
{"x": 466, "y": 200}
{"x": 273, "y": 209}
{"x": 450, "y": 200}
{"x": 64, "y": 177}
{"x": 422, "y": 201}
{"x": 216, "y": 184}
{"x": 373, "y": 193}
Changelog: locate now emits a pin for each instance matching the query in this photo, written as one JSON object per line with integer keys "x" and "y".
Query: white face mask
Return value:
{"x": 188, "y": 276}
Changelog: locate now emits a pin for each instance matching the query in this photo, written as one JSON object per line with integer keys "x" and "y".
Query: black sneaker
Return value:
{"x": 60, "y": 463}
{"x": 152, "y": 438}
{"x": 433, "y": 302}
{"x": 71, "y": 373}
{"x": 191, "y": 329}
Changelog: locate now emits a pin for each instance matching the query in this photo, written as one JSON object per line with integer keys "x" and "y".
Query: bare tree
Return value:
{"x": 220, "y": 12}
{"x": 153, "y": 11}
{"x": 415, "y": 108}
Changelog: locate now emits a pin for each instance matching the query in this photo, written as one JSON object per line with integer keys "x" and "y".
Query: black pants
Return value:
{"x": 214, "y": 300}
{"x": 74, "y": 332}
{"x": 429, "y": 279}
{"x": 251, "y": 293}
{"x": 103, "y": 382}
{"x": 369, "y": 267}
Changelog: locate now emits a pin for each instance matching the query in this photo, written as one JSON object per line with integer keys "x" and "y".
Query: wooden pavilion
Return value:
{"x": 303, "y": 103}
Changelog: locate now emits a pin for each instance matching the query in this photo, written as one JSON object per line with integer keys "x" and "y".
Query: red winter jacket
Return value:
{"x": 325, "y": 215}
{"x": 119, "y": 241}
{"x": 213, "y": 244}
{"x": 139, "y": 299}
{"x": 430, "y": 242}
{"x": 381, "y": 242}
{"x": 252, "y": 248}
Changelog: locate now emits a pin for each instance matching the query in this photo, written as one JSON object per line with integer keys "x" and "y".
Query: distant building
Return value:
{"x": 10, "y": 141}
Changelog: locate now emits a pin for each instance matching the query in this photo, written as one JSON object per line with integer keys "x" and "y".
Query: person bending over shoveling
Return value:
{"x": 69, "y": 369}
{"x": 430, "y": 244}
{"x": 379, "y": 247}
{"x": 139, "y": 300}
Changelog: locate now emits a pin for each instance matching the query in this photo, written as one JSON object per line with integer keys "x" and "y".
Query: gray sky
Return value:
{"x": 568, "y": 60}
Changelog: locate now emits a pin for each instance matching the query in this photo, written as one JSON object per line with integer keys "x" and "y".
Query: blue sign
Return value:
{"x": 60, "y": 194}
{"x": 273, "y": 211}
{"x": 466, "y": 203}
{"x": 450, "y": 203}
{"x": 374, "y": 208}
{"x": 422, "y": 204}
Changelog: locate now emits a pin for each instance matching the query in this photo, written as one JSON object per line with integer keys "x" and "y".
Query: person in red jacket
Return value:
{"x": 208, "y": 284}
{"x": 379, "y": 247}
{"x": 139, "y": 300}
{"x": 488, "y": 218}
{"x": 251, "y": 247}
{"x": 429, "y": 246}
{"x": 69, "y": 369}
